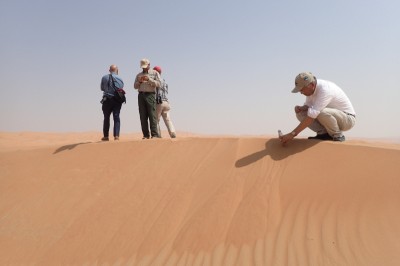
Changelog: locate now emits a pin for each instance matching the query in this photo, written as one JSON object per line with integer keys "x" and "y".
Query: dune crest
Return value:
{"x": 200, "y": 201}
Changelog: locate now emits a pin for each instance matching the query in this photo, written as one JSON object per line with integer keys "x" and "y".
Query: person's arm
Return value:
{"x": 103, "y": 84}
{"x": 303, "y": 124}
{"x": 299, "y": 109}
{"x": 137, "y": 83}
{"x": 165, "y": 87}
{"x": 156, "y": 81}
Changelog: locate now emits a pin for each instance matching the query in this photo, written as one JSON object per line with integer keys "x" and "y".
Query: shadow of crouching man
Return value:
{"x": 274, "y": 148}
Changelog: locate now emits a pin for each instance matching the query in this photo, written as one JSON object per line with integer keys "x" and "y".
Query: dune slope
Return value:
{"x": 200, "y": 201}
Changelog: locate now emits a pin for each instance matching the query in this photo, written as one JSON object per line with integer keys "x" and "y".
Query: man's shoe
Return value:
{"x": 173, "y": 135}
{"x": 145, "y": 137}
{"x": 339, "y": 138}
{"x": 325, "y": 136}
{"x": 104, "y": 139}
{"x": 116, "y": 138}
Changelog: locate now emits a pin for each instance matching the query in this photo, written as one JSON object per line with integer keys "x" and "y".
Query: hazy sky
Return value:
{"x": 230, "y": 65}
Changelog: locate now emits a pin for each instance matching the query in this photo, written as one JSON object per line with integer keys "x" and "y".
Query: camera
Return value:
{"x": 103, "y": 100}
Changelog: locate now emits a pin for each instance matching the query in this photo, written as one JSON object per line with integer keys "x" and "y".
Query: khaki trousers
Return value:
{"x": 163, "y": 110}
{"x": 331, "y": 121}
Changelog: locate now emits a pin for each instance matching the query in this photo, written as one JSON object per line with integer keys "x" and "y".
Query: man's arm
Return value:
{"x": 156, "y": 82}
{"x": 299, "y": 109}
{"x": 165, "y": 86}
{"x": 303, "y": 124}
{"x": 137, "y": 83}
{"x": 103, "y": 84}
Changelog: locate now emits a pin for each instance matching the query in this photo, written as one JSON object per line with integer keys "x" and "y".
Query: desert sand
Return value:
{"x": 69, "y": 199}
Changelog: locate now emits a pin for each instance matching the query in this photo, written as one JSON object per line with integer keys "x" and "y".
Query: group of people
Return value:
{"x": 152, "y": 101}
{"x": 327, "y": 109}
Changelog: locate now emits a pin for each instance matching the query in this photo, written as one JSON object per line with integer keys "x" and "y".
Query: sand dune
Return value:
{"x": 197, "y": 201}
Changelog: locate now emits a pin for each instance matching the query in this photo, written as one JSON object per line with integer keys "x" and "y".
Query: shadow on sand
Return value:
{"x": 69, "y": 147}
{"x": 274, "y": 148}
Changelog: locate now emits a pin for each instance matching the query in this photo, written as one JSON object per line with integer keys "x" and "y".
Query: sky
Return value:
{"x": 230, "y": 65}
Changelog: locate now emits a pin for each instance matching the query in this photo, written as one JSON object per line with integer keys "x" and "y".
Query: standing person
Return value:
{"x": 327, "y": 110}
{"x": 146, "y": 83}
{"x": 163, "y": 106}
{"x": 109, "y": 84}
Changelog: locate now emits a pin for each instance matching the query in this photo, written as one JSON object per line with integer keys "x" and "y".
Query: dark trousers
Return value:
{"x": 114, "y": 107}
{"x": 147, "y": 112}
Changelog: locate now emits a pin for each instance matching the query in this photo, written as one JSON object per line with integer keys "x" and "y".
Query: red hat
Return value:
{"x": 157, "y": 68}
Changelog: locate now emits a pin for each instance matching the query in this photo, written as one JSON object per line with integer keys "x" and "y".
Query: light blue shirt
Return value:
{"x": 107, "y": 86}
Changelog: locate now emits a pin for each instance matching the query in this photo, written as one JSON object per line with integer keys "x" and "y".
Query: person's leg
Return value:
{"x": 107, "y": 109}
{"x": 335, "y": 121}
{"x": 158, "y": 112}
{"x": 315, "y": 126}
{"x": 143, "y": 115}
{"x": 116, "y": 117}
{"x": 151, "y": 111}
{"x": 167, "y": 119}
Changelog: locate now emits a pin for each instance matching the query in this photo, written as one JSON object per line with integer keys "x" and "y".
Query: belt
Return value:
{"x": 349, "y": 114}
{"x": 146, "y": 92}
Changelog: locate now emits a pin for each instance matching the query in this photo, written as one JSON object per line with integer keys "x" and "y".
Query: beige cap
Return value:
{"x": 144, "y": 63}
{"x": 303, "y": 79}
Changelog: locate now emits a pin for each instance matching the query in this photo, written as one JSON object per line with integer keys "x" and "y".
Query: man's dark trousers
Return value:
{"x": 147, "y": 112}
{"x": 111, "y": 106}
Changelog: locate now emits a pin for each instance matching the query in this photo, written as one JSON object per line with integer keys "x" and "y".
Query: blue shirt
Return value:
{"x": 107, "y": 86}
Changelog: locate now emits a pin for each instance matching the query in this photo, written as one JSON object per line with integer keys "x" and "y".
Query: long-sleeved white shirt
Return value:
{"x": 328, "y": 95}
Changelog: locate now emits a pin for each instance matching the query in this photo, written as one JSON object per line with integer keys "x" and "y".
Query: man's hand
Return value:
{"x": 286, "y": 138}
{"x": 144, "y": 78}
{"x": 299, "y": 109}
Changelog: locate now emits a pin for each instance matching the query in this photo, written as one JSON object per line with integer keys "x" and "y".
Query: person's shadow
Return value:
{"x": 274, "y": 148}
{"x": 69, "y": 147}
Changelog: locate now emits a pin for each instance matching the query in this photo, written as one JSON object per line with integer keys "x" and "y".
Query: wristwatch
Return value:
{"x": 293, "y": 134}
